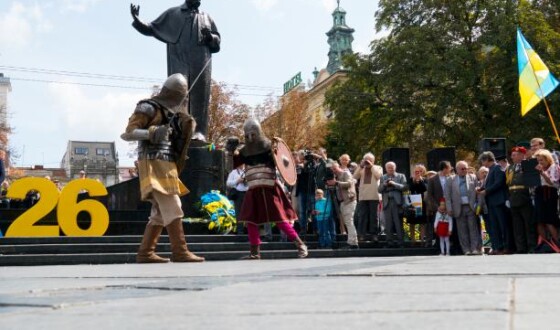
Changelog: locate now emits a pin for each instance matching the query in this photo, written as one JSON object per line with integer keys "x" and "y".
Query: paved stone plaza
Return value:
{"x": 500, "y": 292}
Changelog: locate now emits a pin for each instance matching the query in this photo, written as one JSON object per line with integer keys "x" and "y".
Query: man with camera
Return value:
{"x": 392, "y": 187}
{"x": 305, "y": 188}
{"x": 368, "y": 198}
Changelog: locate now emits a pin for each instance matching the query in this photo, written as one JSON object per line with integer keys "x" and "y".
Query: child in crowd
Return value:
{"x": 322, "y": 214}
{"x": 443, "y": 226}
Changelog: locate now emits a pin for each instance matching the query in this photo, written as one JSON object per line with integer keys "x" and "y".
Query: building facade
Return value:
{"x": 99, "y": 160}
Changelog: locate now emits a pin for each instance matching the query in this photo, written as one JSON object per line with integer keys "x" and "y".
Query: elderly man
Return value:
{"x": 346, "y": 194}
{"x": 391, "y": 188}
{"x": 460, "y": 199}
{"x": 368, "y": 198}
{"x": 520, "y": 204}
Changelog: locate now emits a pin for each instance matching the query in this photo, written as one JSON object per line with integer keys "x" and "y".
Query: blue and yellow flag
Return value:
{"x": 535, "y": 80}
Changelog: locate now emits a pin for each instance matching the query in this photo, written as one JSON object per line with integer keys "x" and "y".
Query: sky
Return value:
{"x": 78, "y": 68}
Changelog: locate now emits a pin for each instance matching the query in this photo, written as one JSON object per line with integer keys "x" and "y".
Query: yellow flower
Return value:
{"x": 212, "y": 207}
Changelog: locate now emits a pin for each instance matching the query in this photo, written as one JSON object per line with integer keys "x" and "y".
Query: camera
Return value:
{"x": 308, "y": 155}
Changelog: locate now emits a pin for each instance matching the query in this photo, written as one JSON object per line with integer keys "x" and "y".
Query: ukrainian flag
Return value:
{"x": 535, "y": 80}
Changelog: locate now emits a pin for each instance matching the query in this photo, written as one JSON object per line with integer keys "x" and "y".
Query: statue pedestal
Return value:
{"x": 204, "y": 171}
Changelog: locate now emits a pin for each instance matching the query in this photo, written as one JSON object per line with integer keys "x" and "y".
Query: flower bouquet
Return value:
{"x": 220, "y": 210}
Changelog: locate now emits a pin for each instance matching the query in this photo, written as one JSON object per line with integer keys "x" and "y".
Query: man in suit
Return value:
{"x": 391, "y": 187}
{"x": 435, "y": 193}
{"x": 460, "y": 199}
{"x": 524, "y": 227}
{"x": 495, "y": 192}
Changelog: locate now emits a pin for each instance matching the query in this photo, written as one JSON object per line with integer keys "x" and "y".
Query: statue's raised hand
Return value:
{"x": 135, "y": 11}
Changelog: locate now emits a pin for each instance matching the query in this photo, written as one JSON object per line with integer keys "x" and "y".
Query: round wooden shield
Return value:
{"x": 284, "y": 161}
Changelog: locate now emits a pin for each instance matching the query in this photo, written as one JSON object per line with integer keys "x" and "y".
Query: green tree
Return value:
{"x": 446, "y": 74}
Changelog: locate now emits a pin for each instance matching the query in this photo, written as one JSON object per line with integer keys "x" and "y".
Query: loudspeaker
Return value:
{"x": 401, "y": 157}
{"x": 496, "y": 145}
{"x": 435, "y": 156}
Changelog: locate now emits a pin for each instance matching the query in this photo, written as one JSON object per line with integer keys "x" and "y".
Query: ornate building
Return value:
{"x": 340, "y": 40}
{"x": 312, "y": 121}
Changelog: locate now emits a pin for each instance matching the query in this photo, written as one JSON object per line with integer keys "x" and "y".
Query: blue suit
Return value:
{"x": 496, "y": 197}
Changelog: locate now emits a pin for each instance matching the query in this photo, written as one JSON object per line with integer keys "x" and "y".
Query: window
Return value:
{"x": 102, "y": 152}
{"x": 81, "y": 151}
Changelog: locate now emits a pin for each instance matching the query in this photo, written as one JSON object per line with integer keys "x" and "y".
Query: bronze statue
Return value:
{"x": 191, "y": 37}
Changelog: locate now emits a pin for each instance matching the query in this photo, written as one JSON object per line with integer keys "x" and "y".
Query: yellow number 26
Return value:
{"x": 67, "y": 206}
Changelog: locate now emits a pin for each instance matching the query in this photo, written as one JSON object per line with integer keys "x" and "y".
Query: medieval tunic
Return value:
{"x": 264, "y": 203}
{"x": 155, "y": 175}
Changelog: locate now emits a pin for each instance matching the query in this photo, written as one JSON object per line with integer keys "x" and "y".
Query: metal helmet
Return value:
{"x": 252, "y": 130}
{"x": 255, "y": 140}
{"x": 174, "y": 93}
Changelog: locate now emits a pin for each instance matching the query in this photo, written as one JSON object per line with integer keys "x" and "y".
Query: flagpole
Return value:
{"x": 540, "y": 89}
{"x": 550, "y": 116}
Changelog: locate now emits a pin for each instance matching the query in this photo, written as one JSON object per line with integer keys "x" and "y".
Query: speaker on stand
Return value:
{"x": 435, "y": 156}
{"x": 400, "y": 156}
{"x": 496, "y": 145}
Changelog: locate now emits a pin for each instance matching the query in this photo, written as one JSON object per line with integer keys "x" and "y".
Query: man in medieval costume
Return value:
{"x": 163, "y": 129}
{"x": 265, "y": 201}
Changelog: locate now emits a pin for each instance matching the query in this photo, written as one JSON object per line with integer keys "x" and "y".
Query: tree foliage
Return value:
{"x": 445, "y": 75}
{"x": 226, "y": 114}
{"x": 294, "y": 123}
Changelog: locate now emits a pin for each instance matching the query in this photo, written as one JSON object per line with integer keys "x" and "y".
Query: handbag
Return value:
{"x": 409, "y": 209}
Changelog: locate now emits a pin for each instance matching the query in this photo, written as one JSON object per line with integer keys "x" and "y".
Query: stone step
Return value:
{"x": 119, "y": 239}
{"x": 133, "y": 247}
{"x": 120, "y": 258}
{"x": 137, "y": 238}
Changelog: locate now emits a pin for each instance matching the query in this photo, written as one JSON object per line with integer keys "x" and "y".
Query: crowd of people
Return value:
{"x": 514, "y": 205}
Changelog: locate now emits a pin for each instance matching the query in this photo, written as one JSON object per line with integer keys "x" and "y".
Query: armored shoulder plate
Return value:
{"x": 146, "y": 108}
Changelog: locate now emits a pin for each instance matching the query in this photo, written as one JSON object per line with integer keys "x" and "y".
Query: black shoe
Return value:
{"x": 351, "y": 247}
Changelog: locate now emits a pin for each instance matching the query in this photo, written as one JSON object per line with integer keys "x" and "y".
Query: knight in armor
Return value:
{"x": 265, "y": 201}
{"x": 163, "y": 129}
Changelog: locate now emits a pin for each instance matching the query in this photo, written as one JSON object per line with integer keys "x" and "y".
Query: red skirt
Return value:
{"x": 442, "y": 229}
{"x": 266, "y": 204}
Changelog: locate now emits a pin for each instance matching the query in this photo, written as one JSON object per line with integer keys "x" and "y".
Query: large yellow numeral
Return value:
{"x": 68, "y": 209}
{"x": 24, "y": 225}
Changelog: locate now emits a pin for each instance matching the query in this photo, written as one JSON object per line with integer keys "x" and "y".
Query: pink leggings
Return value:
{"x": 255, "y": 237}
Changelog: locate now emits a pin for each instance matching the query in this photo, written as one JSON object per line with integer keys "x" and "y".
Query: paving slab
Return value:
{"x": 484, "y": 292}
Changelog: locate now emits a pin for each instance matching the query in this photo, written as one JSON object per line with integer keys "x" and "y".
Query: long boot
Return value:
{"x": 146, "y": 251}
{"x": 179, "y": 250}
{"x": 255, "y": 253}
{"x": 301, "y": 248}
